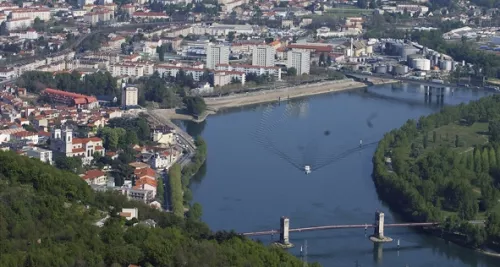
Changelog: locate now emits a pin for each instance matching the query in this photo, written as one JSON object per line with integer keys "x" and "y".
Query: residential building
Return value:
{"x": 71, "y": 99}
{"x": 222, "y": 78}
{"x": 26, "y": 135}
{"x": 129, "y": 96}
{"x": 300, "y": 60}
{"x": 247, "y": 69}
{"x": 163, "y": 137}
{"x": 63, "y": 142}
{"x": 217, "y": 54}
{"x": 16, "y": 24}
{"x": 43, "y": 155}
{"x": 31, "y": 13}
{"x": 95, "y": 177}
{"x": 7, "y": 73}
{"x": 129, "y": 214}
{"x": 263, "y": 55}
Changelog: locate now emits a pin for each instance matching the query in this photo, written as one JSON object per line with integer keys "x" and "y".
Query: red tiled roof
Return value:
{"x": 78, "y": 150}
{"x": 317, "y": 48}
{"x": 86, "y": 140}
{"x": 145, "y": 172}
{"x": 92, "y": 174}
{"x": 75, "y": 96}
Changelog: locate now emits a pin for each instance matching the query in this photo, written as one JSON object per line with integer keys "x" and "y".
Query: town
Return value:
{"x": 108, "y": 91}
{"x": 79, "y": 78}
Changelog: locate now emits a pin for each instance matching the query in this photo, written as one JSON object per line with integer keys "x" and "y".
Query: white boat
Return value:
{"x": 307, "y": 169}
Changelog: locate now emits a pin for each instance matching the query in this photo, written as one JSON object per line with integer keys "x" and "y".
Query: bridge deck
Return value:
{"x": 331, "y": 227}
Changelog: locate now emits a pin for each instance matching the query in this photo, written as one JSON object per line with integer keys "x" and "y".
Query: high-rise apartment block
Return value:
{"x": 217, "y": 54}
{"x": 300, "y": 60}
{"x": 129, "y": 96}
{"x": 263, "y": 55}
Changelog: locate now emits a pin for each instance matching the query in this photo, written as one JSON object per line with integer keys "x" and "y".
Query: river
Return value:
{"x": 247, "y": 188}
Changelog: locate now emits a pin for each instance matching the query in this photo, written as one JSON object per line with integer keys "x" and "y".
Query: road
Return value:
{"x": 403, "y": 79}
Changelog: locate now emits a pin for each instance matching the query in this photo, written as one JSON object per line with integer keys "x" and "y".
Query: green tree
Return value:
{"x": 175, "y": 186}
{"x": 195, "y": 212}
{"x": 434, "y": 136}
{"x": 328, "y": 60}
{"x": 291, "y": 71}
{"x": 485, "y": 161}
{"x": 322, "y": 59}
{"x": 457, "y": 141}
{"x": 477, "y": 160}
{"x": 492, "y": 157}
{"x": 425, "y": 140}
{"x": 195, "y": 104}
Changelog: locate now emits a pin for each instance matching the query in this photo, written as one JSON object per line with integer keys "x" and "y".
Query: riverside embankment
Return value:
{"x": 239, "y": 100}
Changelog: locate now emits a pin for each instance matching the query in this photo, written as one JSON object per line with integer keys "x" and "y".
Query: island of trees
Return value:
{"x": 446, "y": 168}
{"x": 48, "y": 216}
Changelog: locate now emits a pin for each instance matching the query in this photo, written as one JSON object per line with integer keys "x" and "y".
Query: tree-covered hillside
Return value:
{"x": 446, "y": 167}
{"x": 47, "y": 218}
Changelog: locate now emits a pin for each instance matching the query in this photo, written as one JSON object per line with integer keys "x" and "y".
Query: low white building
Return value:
{"x": 43, "y": 155}
{"x": 129, "y": 214}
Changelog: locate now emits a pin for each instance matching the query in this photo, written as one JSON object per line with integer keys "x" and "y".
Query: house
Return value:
{"x": 26, "y": 135}
{"x": 96, "y": 177}
{"x": 129, "y": 214}
{"x": 43, "y": 155}
{"x": 71, "y": 99}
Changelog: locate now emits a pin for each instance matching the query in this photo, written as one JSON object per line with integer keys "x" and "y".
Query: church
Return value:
{"x": 62, "y": 141}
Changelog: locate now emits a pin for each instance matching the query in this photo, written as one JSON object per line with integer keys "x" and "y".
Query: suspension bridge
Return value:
{"x": 378, "y": 233}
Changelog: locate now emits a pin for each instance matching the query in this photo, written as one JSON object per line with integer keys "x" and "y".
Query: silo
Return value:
{"x": 446, "y": 65}
{"x": 400, "y": 69}
{"x": 408, "y": 50}
{"x": 382, "y": 69}
{"x": 411, "y": 59}
{"x": 422, "y": 64}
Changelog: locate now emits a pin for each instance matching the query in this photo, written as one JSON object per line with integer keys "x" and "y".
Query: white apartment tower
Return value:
{"x": 300, "y": 60}
{"x": 263, "y": 55}
{"x": 129, "y": 96}
{"x": 217, "y": 54}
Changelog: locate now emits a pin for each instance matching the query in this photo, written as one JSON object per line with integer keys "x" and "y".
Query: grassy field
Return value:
{"x": 468, "y": 136}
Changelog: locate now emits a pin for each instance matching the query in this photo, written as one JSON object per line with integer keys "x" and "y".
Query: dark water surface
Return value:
{"x": 246, "y": 187}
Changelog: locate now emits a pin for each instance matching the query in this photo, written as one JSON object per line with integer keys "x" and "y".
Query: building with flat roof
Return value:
{"x": 129, "y": 96}
{"x": 217, "y": 54}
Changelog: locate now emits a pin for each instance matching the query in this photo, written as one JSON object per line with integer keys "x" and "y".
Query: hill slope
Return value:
{"x": 47, "y": 218}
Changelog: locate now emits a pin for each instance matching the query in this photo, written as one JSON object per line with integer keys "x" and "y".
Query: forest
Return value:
{"x": 446, "y": 168}
{"x": 47, "y": 218}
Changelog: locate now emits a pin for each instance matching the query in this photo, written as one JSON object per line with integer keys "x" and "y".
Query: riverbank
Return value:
{"x": 217, "y": 103}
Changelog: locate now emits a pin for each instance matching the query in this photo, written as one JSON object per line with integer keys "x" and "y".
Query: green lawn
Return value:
{"x": 469, "y": 136}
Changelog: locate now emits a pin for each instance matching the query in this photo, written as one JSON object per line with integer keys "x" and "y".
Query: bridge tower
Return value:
{"x": 378, "y": 233}
{"x": 379, "y": 225}
{"x": 284, "y": 232}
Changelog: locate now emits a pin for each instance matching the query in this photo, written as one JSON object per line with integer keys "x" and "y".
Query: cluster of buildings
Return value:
{"x": 68, "y": 127}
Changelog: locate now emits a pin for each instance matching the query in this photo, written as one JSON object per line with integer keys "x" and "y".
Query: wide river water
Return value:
{"x": 247, "y": 186}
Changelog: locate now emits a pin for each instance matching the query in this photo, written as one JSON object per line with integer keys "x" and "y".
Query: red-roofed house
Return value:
{"x": 96, "y": 177}
{"x": 71, "y": 99}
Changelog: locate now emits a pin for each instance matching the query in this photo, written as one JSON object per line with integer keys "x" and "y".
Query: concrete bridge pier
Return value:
{"x": 284, "y": 241}
{"x": 378, "y": 233}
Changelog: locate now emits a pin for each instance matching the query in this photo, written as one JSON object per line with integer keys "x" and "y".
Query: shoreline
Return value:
{"x": 215, "y": 104}
{"x": 239, "y": 100}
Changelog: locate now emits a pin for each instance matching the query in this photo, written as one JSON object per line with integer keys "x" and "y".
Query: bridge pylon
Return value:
{"x": 378, "y": 233}
{"x": 284, "y": 241}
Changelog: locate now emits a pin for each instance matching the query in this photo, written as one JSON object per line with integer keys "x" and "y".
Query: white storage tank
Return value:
{"x": 422, "y": 64}
{"x": 446, "y": 65}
